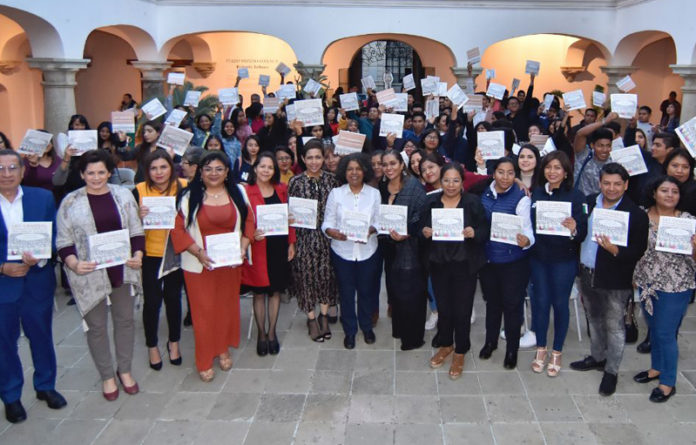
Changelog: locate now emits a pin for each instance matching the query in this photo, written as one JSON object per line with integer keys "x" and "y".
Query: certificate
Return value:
{"x": 153, "y": 109}
{"x": 35, "y": 142}
{"x": 175, "y": 117}
{"x": 82, "y": 140}
{"x": 270, "y": 104}
{"x": 429, "y": 86}
{"x": 368, "y": 82}
{"x": 384, "y": 97}
{"x": 355, "y": 226}
{"x": 442, "y": 89}
{"x": 473, "y": 55}
{"x": 550, "y": 215}
{"x": 548, "y": 101}
{"x": 303, "y": 212}
{"x": 491, "y": 144}
{"x": 687, "y": 134}
{"x": 290, "y": 112}
{"x": 286, "y": 92}
{"x": 392, "y": 123}
{"x": 175, "y": 78}
{"x": 598, "y": 99}
{"x": 400, "y": 104}
{"x": 312, "y": 86}
{"x": 674, "y": 235}
{"x": 349, "y": 101}
{"x": 515, "y": 85}
{"x": 309, "y": 112}
{"x": 174, "y": 138}
{"x": 243, "y": 73}
{"x": 432, "y": 108}
{"x": 228, "y": 96}
{"x": 549, "y": 146}
{"x": 496, "y": 90}
{"x": 272, "y": 219}
{"x": 30, "y": 237}
{"x": 264, "y": 80}
{"x": 110, "y": 249}
{"x": 631, "y": 158}
{"x": 457, "y": 96}
{"x": 282, "y": 68}
{"x": 475, "y": 103}
{"x": 532, "y": 67}
{"x": 224, "y": 249}
{"x": 626, "y": 84}
{"x": 539, "y": 141}
{"x": 162, "y": 212}
{"x": 408, "y": 82}
{"x": 349, "y": 142}
{"x": 448, "y": 224}
{"x": 505, "y": 227}
{"x": 122, "y": 121}
{"x": 192, "y": 98}
{"x": 575, "y": 100}
{"x": 392, "y": 217}
{"x": 624, "y": 104}
{"x": 612, "y": 223}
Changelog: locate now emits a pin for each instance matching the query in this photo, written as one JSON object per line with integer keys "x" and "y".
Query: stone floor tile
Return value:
{"x": 302, "y": 358}
{"x": 417, "y": 410}
{"x": 189, "y": 406}
{"x": 248, "y": 359}
{"x": 246, "y": 380}
{"x": 555, "y": 408}
{"x": 373, "y": 382}
{"x": 31, "y": 431}
{"x": 234, "y": 407}
{"x": 212, "y": 432}
{"x": 600, "y": 409}
{"x": 467, "y": 384}
{"x": 172, "y": 432}
{"x": 463, "y": 409}
{"x": 147, "y": 405}
{"x": 416, "y": 360}
{"x": 282, "y": 381}
{"x": 369, "y": 433}
{"x": 617, "y": 434}
{"x": 371, "y": 409}
{"x": 508, "y": 408}
{"x": 416, "y": 383}
{"x": 375, "y": 361}
{"x": 280, "y": 408}
{"x": 270, "y": 433}
{"x": 317, "y": 433}
{"x": 336, "y": 359}
{"x": 165, "y": 380}
{"x": 72, "y": 431}
{"x": 563, "y": 433}
{"x": 504, "y": 382}
{"x": 124, "y": 432}
{"x": 475, "y": 433}
{"x": 517, "y": 434}
{"x": 326, "y": 408}
{"x": 193, "y": 383}
{"x": 420, "y": 434}
{"x": 94, "y": 406}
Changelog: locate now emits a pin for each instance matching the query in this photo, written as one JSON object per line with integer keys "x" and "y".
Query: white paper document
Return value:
{"x": 448, "y": 224}
{"x": 228, "y": 96}
{"x": 36, "y": 142}
{"x": 575, "y": 100}
{"x": 400, "y": 104}
{"x": 175, "y": 117}
{"x": 515, "y": 85}
{"x": 687, "y": 134}
{"x": 272, "y": 219}
{"x": 290, "y": 112}
{"x": 532, "y": 67}
{"x": 243, "y": 73}
{"x": 264, "y": 80}
{"x": 392, "y": 123}
{"x": 496, "y": 90}
{"x": 611, "y": 223}
{"x": 349, "y": 101}
{"x": 312, "y": 86}
{"x": 475, "y": 103}
{"x": 624, "y": 104}
{"x": 432, "y": 108}
{"x": 309, "y": 112}
{"x": 617, "y": 143}
{"x": 457, "y": 96}
{"x": 368, "y": 83}
{"x": 109, "y": 249}
{"x": 122, "y": 121}
{"x": 355, "y": 226}
{"x": 505, "y": 227}
{"x": 282, "y": 68}
{"x": 175, "y": 78}
{"x": 490, "y": 74}
{"x": 408, "y": 82}
{"x": 674, "y": 235}
{"x": 429, "y": 85}
{"x": 550, "y": 215}
{"x": 539, "y": 141}
{"x": 175, "y": 138}
{"x": 153, "y": 109}
{"x": 82, "y": 140}
{"x": 548, "y": 101}
{"x": 392, "y": 217}
{"x": 162, "y": 212}
{"x": 473, "y": 55}
{"x": 270, "y": 104}
{"x": 303, "y": 212}
{"x": 192, "y": 98}
{"x": 348, "y": 142}
{"x": 30, "y": 237}
{"x": 626, "y": 84}
{"x": 598, "y": 99}
{"x": 286, "y": 92}
{"x": 224, "y": 249}
{"x": 491, "y": 144}
{"x": 385, "y": 97}
{"x": 442, "y": 89}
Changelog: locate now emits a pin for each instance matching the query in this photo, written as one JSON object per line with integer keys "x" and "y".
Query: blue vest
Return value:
{"x": 505, "y": 203}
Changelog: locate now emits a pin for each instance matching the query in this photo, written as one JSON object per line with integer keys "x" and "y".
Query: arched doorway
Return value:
{"x": 380, "y": 56}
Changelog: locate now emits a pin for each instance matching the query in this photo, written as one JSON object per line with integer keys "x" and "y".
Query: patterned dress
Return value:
{"x": 313, "y": 279}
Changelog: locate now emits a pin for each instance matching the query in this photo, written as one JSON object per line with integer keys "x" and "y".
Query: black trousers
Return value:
{"x": 167, "y": 289}
{"x": 454, "y": 290}
{"x": 408, "y": 302}
{"x": 504, "y": 287}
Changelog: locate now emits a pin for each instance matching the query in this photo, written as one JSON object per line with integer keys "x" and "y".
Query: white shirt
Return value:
{"x": 342, "y": 199}
{"x": 523, "y": 209}
{"x": 12, "y": 212}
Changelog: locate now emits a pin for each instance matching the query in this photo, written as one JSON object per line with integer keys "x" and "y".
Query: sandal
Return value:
{"x": 324, "y": 326}
{"x": 457, "y": 366}
{"x": 314, "y": 331}
{"x": 440, "y": 356}
{"x": 539, "y": 360}
{"x": 554, "y": 365}
{"x": 225, "y": 361}
{"x": 207, "y": 376}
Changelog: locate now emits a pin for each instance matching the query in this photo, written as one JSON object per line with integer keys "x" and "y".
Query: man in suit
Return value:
{"x": 27, "y": 287}
{"x": 606, "y": 275}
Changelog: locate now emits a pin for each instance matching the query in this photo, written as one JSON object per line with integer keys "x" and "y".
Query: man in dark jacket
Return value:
{"x": 606, "y": 272}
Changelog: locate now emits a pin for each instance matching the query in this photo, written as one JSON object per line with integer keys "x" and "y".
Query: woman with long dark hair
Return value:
{"x": 250, "y": 152}
{"x": 149, "y": 134}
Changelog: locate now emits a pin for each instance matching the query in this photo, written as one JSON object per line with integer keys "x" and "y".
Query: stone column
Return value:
{"x": 616, "y": 73}
{"x": 464, "y": 76}
{"x": 307, "y": 72}
{"x": 688, "y": 73}
{"x": 59, "y": 89}
{"x": 152, "y": 77}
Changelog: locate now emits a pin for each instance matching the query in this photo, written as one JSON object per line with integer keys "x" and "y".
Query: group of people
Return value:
{"x": 243, "y": 159}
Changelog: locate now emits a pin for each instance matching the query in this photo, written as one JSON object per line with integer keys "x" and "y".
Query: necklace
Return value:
{"x": 214, "y": 195}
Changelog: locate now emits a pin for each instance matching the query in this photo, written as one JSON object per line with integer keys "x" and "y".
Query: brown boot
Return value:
{"x": 457, "y": 366}
{"x": 440, "y": 356}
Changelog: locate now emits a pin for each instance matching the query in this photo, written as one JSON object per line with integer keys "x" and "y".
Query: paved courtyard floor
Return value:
{"x": 314, "y": 393}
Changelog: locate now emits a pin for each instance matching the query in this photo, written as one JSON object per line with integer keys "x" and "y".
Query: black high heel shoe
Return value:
{"x": 261, "y": 347}
{"x": 174, "y": 361}
{"x": 156, "y": 366}
{"x": 273, "y": 346}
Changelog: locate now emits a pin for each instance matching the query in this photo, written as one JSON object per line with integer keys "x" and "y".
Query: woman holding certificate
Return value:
{"x": 665, "y": 278}
{"x": 351, "y": 213}
{"x": 156, "y": 197}
{"x": 405, "y": 275}
{"x": 560, "y": 228}
{"x": 456, "y": 230}
{"x": 269, "y": 273}
{"x": 214, "y": 221}
{"x": 99, "y": 225}
{"x": 313, "y": 279}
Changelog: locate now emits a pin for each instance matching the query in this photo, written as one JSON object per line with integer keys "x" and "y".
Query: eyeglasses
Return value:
{"x": 431, "y": 136}
{"x": 11, "y": 169}
{"x": 283, "y": 158}
{"x": 209, "y": 170}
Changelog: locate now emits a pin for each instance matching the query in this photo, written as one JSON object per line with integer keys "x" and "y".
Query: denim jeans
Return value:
{"x": 605, "y": 310}
{"x": 668, "y": 310}
{"x": 552, "y": 281}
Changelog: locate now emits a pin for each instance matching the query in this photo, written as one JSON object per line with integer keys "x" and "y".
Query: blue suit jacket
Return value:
{"x": 38, "y": 205}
